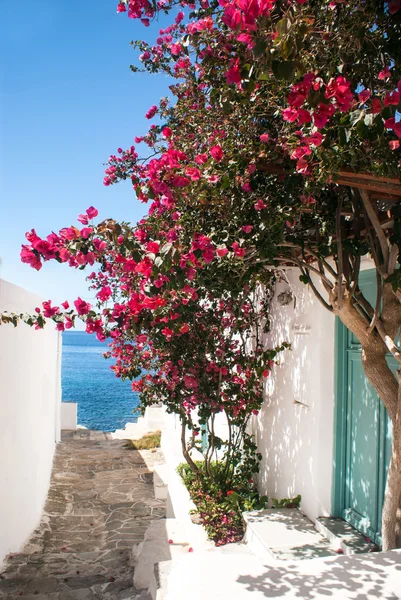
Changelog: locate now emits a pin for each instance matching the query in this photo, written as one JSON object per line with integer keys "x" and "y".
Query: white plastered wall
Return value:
{"x": 295, "y": 426}
{"x": 30, "y": 393}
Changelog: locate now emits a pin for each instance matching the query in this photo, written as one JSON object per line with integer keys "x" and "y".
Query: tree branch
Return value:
{"x": 370, "y": 211}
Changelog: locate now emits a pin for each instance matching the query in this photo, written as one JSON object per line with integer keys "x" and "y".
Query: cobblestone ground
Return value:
{"x": 99, "y": 506}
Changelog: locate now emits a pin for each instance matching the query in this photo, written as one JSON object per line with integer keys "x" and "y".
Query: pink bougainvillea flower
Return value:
{"x": 84, "y": 219}
{"x": 394, "y": 6}
{"x": 29, "y": 257}
{"x": 153, "y": 247}
{"x": 307, "y": 200}
{"x": 389, "y": 123}
{"x": 316, "y": 139}
{"x": 214, "y": 179}
{"x": 151, "y": 112}
{"x": 376, "y": 105}
{"x": 85, "y": 232}
{"x": 322, "y": 114}
{"x": 49, "y": 310}
{"x": 222, "y": 251}
{"x": 190, "y": 549}
{"x": 81, "y": 306}
{"x": 233, "y": 75}
{"x": 217, "y": 153}
{"x": 385, "y": 74}
{"x": 247, "y": 228}
{"x": 363, "y": 96}
{"x": 259, "y": 205}
{"x": 184, "y": 328}
{"x": 392, "y": 99}
{"x": 104, "y": 294}
{"x": 264, "y": 137}
{"x": 167, "y": 332}
{"x": 394, "y": 144}
{"x": 290, "y": 114}
{"x": 193, "y": 173}
{"x": 176, "y": 49}
{"x": 201, "y": 159}
{"x": 121, "y": 7}
{"x": 65, "y": 305}
{"x": 340, "y": 89}
{"x": 170, "y": 542}
{"x": 238, "y": 251}
{"x": 167, "y": 132}
{"x": 92, "y": 212}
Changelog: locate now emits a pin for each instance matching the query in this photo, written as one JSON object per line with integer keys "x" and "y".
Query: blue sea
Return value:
{"x": 104, "y": 402}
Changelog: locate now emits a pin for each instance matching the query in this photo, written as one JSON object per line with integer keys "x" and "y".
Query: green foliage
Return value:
{"x": 287, "y": 502}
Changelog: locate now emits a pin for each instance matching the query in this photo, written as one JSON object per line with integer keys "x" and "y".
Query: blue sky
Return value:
{"x": 67, "y": 101}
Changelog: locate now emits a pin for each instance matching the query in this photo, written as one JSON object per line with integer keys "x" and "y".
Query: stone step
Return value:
{"x": 343, "y": 536}
{"x": 69, "y": 576}
{"x": 284, "y": 534}
{"x": 164, "y": 540}
{"x": 66, "y": 564}
{"x": 79, "y": 587}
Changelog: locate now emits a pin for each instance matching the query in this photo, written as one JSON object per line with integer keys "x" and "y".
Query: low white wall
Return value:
{"x": 296, "y": 441}
{"x": 69, "y": 412}
{"x": 30, "y": 394}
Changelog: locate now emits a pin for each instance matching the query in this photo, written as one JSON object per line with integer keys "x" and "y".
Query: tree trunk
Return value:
{"x": 185, "y": 450}
{"x": 392, "y": 497}
{"x": 390, "y": 517}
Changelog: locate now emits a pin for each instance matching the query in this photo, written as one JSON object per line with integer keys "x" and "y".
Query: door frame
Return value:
{"x": 340, "y": 420}
{"x": 339, "y": 480}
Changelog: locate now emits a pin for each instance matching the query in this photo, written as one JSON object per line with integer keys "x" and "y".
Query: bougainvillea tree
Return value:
{"x": 280, "y": 145}
{"x": 282, "y": 106}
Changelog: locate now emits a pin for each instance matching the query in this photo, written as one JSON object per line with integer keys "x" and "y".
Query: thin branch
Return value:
{"x": 374, "y": 219}
{"x": 379, "y": 291}
{"x": 298, "y": 263}
{"x": 357, "y": 260}
{"x": 339, "y": 254}
{"x": 315, "y": 290}
{"x": 312, "y": 253}
{"x": 392, "y": 260}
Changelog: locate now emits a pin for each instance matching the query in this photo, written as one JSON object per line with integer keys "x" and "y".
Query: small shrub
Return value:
{"x": 147, "y": 442}
{"x": 220, "y": 510}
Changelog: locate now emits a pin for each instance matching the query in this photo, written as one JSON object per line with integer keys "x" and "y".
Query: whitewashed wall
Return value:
{"x": 296, "y": 441}
{"x": 30, "y": 392}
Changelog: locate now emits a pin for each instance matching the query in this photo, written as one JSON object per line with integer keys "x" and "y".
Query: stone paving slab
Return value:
{"x": 99, "y": 506}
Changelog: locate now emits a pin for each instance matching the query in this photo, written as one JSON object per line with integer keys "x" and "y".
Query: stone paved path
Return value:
{"x": 99, "y": 506}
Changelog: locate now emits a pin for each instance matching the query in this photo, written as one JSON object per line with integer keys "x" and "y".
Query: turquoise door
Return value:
{"x": 363, "y": 435}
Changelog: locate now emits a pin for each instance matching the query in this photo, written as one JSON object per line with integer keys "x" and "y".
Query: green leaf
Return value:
{"x": 260, "y": 47}
{"x": 286, "y": 69}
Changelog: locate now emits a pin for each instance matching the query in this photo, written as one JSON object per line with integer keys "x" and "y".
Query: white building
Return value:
{"x": 30, "y": 395}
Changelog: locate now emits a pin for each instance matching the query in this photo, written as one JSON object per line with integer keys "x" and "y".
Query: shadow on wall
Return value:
{"x": 295, "y": 425}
